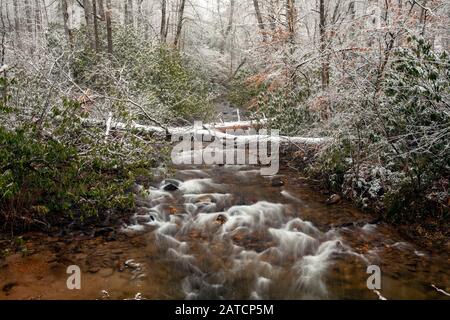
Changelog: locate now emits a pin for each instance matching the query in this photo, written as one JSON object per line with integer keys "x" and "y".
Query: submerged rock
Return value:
{"x": 143, "y": 219}
{"x": 8, "y": 286}
{"x": 132, "y": 264}
{"x": 276, "y": 182}
{"x": 171, "y": 185}
{"x": 334, "y": 199}
{"x": 103, "y": 231}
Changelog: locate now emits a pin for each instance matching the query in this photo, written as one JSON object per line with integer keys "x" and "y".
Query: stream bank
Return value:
{"x": 227, "y": 232}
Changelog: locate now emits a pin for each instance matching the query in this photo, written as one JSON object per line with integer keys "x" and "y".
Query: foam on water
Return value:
{"x": 369, "y": 228}
{"x": 311, "y": 268}
{"x": 199, "y": 185}
{"x": 215, "y": 243}
{"x": 254, "y": 217}
{"x": 294, "y": 243}
{"x": 290, "y": 196}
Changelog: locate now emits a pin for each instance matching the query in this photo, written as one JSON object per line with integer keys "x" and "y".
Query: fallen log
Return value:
{"x": 218, "y": 131}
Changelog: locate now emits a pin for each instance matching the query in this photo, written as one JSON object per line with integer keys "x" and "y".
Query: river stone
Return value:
{"x": 103, "y": 231}
{"x": 140, "y": 202}
{"x": 143, "y": 219}
{"x": 334, "y": 199}
{"x": 170, "y": 187}
{"x": 277, "y": 182}
{"x": 8, "y": 286}
{"x": 130, "y": 263}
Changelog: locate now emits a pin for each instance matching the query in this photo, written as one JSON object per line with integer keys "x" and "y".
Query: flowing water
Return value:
{"x": 229, "y": 233}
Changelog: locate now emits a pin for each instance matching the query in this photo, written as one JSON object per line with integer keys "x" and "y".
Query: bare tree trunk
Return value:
{"x": 167, "y": 26}
{"x": 10, "y": 27}
{"x": 163, "y": 32}
{"x": 180, "y": 23}
{"x": 88, "y": 18}
{"x": 142, "y": 21}
{"x": 17, "y": 24}
{"x": 229, "y": 26}
{"x": 29, "y": 23}
{"x": 260, "y": 20}
{"x": 3, "y": 54}
{"x": 272, "y": 18}
{"x": 101, "y": 10}
{"x": 96, "y": 37}
{"x": 230, "y": 18}
{"x": 126, "y": 13}
{"x": 323, "y": 45}
{"x": 291, "y": 17}
{"x": 423, "y": 18}
{"x": 131, "y": 10}
{"x": 129, "y": 18}
{"x": 68, "y": 32}
{"x": 38, "y": 15}
{"x": 44, "y": 6}
{"x": 108, "y": 15}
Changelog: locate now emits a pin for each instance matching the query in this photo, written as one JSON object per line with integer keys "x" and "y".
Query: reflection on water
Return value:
{"x": 227, "y": 233}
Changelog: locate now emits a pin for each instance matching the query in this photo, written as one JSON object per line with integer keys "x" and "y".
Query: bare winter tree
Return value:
{"x": 163, "y": 31}
{"x": 88, "y": 16}
{"x": 28, "y": 15}
{"x": 129, "y": 12}
{"x": 109, "y": 35}
{"x": 323, "y": 45}
{"x": 95, "y": 18}
{"x": 17, "y": 24}
{"x": 291, "y": 15}
{"x": 179, "y": 23}
{"x": 229, "y": 25}
{"x": 67, "y": 30}
{"x": 38, "y": 16}
{"x": 260, "y": 19}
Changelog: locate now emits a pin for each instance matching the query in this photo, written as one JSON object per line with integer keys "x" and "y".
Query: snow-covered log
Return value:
{"x": 223, "y": 131}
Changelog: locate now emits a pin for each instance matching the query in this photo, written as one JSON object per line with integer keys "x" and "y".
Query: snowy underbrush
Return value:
{"x": 391, "y": 152}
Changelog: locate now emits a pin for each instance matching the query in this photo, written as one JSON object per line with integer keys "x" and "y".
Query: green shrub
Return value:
{"x": 242, "y": 92}
{"x": 416, "y": 117}
{"x": 332, "y": 165}
{"x": 279, "y": 100}
{"x": 59, "y": 170}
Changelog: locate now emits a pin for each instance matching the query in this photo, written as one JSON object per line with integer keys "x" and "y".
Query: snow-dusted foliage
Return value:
{"x": 372, "y": 76}
{"x": 394, "y": 151}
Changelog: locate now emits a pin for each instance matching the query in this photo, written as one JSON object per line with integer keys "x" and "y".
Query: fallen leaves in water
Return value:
{"x": 363, "y": 248}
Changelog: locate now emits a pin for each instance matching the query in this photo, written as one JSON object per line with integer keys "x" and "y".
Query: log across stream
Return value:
{"x": 227, "y": 232}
